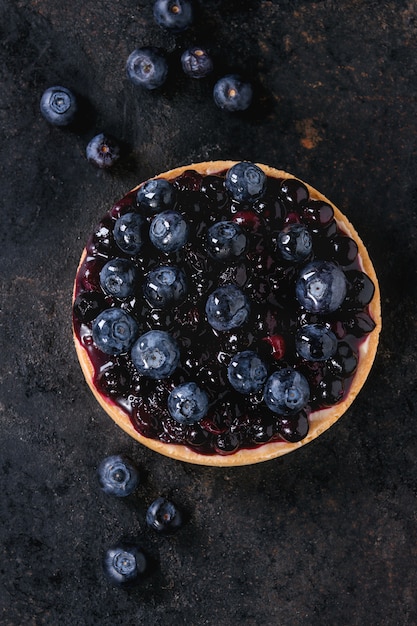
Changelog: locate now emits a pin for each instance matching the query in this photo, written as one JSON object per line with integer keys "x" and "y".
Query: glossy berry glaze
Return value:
{"x": 234, "y": 420}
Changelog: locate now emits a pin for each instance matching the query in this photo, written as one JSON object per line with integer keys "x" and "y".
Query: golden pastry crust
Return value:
{"x": 319, "y": 420}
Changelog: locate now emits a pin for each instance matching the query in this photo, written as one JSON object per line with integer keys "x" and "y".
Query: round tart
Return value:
{"x": 225, "y": 313}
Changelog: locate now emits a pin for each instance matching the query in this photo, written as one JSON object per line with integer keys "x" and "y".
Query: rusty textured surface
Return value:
{"x": 324, "y": 536}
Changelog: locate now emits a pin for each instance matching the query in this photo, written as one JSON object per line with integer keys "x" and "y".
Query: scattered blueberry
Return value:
{"x": 114, "y": 331}
{"x": 315, "y": 342}
{"x": 163, "y": 516}
{"x": 174, "y": 15}
{"x": 103, "y": 151}
{"x": 147, "y": 67}
{"x": 246, "y": 372}
{"x": 187, "y": 403}
{"x": 118, "y": 476}
{"x": 88, "y": 304}
{"x": 233, "y": 93}
{"x": 165, "y": 286}
{"x": 124, "y": 564}
{"x": 118, "y": 278}
{"x": 321, "y": 287}
{"x": 129, "y": 233}
{"x": 155, "y": 354}
{"x": 245, "y": 182}
{"x": 227, "y": 307}
{"x": 295, "y": 243}
{"x": 169, "y": 231}
{"x": 58, "y": 106}
{"x": 286, "y": 392}
{"x": 196, "y": 62}
{"x": 155, "y": 195}
{"x": 226, "y": 241}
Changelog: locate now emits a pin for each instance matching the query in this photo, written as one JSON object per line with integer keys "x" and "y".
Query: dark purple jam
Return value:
{"x": 234, "y": 420}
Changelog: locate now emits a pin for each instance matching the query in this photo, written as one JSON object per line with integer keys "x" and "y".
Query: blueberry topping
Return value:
{"x": 187, "y": 403}
{"x": 58, "y": 106}
{"x": 321, "y": 287}
{"x": 147, "y": 67}
{"x": 286, "y": 392}
{"x": 294, "y": 192}
{"x": 128, "y": 233}
{"x": 165, "y": 286}
{"x": 88, "y": 304}
{"x": 118, "y": 278}
{"x": 124, "y": 564}
{"x": 174, "y": 15}
{"x": 315, "y": 342}
{"x": 227, "y": 307}
{"x": 156, "y": 354}
{"x": 102, "y": 151}
{"x": 294, "y": 428}
{"x": 246, "y": 372}
{"x": 233, "y": 93}
{"x": 226, "y": 241}
{"x": 163, "y": 516}
{"x": 196, "y": 62}
{"x": 156, "y": 195}
{"x": 118, "y": 476}
{"x": 245, "y": 182}
{"x": 295, "y": 243}
{"x": 169, "y": 231}
{"x": 114, "y": 331}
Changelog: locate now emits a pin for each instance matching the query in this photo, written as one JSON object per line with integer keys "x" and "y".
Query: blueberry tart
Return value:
{"x": 225, "y": 313}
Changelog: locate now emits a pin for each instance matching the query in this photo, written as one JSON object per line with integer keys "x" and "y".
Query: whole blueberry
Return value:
{"x": 187, "y": 403}
{"x": 124, "y": 564}
{"x": 196, "y": 62}
{"x": 165, "y": 286}
{"x": 118, "y": 475}
{"x": 227, "y": 307}
{"x": 233, "y": 93}
{"x": 118, "y": 278}
{"x": 315, "y": 342}
{"x": 169, "y": 231}
{"x": 286, "y": 392}
{"x": 129, "y": 232}
{"x": 155, "y": 354}
{"x": 102, "y": 151}
{"x": 163, "y": 516}
{"x": 246, "y": 372}
{"x": 245, "y": 182}
{"x": 155, "y": 195}
{"x": 114, "y": 331}
{"x": 58, "y": 106}
{"x": 174, "y": 15}
{"x": 147, "y": 67}
{"x": 295, "y": 243}
{"x": 226, "y": 241}
{"x": 321, "y": 287}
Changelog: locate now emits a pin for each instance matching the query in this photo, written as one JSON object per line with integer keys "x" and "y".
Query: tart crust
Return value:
{"x": 319, "y": 420}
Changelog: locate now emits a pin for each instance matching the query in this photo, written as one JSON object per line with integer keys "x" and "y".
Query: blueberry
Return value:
{"x": 321, "y": 287}
{"x": 295, "y": 243}
{"x": 118, "y": 278}
{"x": 174, "y": 15}
{"x": 88, "y": 304}
{"x": 169, "y": 231}
{"x": 114, "y": 331}
{"x": 124, "y": 564}
{"x": 156, "y": 195}
{"x": 315, "y": 342}
{"x": 286, "y": 392}
{"x": 245, "y": 182}
{"x": 187, "y": 403}
{"x": 129, "y": 233}
{"x": 247, "y": 372}
{"x": 103, "y": 151}
{"x": 227, "y": 307}
{"x": 232, "y": 93}
{"x": 226, "y": 241}
{"x": 165, "y": 286}
{"x": 147, "y": 67}
{"x": 155, "y": 354}
{"x": 163, "y": 516}
{"x": 118, "y": 476}
{"x": 196, "y": 62}
{"x": 58, "y": 106}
